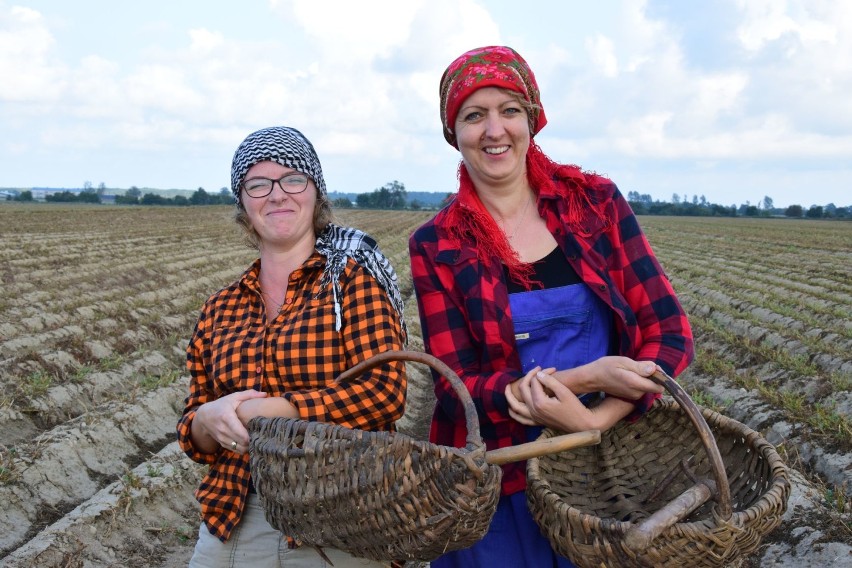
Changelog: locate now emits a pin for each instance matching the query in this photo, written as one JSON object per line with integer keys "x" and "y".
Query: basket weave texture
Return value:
{"x": 379, "y": 495}
{"x": 585, "y": 500}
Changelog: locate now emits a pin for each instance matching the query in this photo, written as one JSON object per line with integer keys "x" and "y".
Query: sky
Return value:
{"x": 730, "y": 100}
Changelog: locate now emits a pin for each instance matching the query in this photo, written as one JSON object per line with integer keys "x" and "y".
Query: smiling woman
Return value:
{"x": 320, "y": 299}
{"x": 553, "y": 315}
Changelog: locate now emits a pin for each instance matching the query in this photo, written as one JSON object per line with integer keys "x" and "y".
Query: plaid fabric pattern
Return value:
{"x": 298, "y": 357}
{"x": 466, "y": 321}
{"x": 337, "y": 244}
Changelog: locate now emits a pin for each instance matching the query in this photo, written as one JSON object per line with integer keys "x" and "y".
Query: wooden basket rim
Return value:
{"x": 776, "y": 491}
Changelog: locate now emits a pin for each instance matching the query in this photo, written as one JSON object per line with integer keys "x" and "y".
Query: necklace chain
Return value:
{"x": 520, "y": 220}
{"x": 272, "y": 300}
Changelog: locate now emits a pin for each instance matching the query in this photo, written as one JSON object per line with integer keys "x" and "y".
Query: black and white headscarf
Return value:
{"x": 290, "y": 148}
{"x": 337, "y": 244}
{"x": 282, "y": 145}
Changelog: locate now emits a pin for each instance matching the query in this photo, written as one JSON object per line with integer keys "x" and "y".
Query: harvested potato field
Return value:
{"x": 98, "y": 303}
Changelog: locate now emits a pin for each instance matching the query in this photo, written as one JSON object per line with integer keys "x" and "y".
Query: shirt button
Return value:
{"x": 258, "y": 369}
{"x": 602, "y": 287}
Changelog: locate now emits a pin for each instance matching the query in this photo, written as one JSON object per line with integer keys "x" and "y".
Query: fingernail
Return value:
{"x": 649, "y": 368}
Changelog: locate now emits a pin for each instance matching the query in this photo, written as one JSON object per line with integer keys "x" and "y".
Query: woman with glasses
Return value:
{"x": 319, "y": 299}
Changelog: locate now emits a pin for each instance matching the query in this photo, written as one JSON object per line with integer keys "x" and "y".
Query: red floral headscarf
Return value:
{"x": 467, "y": 218}
{"x": 493, "y": 66}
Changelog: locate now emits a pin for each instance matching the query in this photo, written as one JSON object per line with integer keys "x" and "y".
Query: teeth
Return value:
{"x": 499, "y": 150}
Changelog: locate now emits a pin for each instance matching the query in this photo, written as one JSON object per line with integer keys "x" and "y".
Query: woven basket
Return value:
{"x": 378, "y": 495}
{"x": 638, "y": 498}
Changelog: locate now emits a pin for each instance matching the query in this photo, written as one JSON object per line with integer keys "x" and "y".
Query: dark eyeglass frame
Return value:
{"x": 272, "y": 183}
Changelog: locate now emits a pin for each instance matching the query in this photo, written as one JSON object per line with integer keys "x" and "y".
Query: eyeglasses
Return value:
{"x": 261, "y": 187}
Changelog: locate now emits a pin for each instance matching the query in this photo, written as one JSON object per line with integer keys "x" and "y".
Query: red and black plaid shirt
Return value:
{"x": 466, "y": 321}
{"x": 298, "y": 356}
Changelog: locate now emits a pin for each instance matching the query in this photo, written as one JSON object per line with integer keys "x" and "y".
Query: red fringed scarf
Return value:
{"x": 467, "y": 217}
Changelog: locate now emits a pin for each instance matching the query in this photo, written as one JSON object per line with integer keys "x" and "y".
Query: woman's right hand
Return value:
{"x": 216, "y": 423}
{"x": 621, "y": 377}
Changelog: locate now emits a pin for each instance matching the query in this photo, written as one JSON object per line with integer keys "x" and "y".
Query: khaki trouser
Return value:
{"x": 256, "y": 544}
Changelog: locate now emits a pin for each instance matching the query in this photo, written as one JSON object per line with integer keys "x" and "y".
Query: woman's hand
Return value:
{"x": 547, "y": 402}
{"x": 517, "y": 395}
{"x": 543, "y": 401}
{"x": 515, "y": 388}
{"x": 216, "y": 423}
{"x": 618, "y": 376}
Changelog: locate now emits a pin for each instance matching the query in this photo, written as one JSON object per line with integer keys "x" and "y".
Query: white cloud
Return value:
{"x": 602, "y": 54}
{"x": 766, "y": 21}
{"x": 205, "y": 41}
{"x": 624, "y": 84}
{"x": 25, "y": 64}
{"x": 355, "y": 30}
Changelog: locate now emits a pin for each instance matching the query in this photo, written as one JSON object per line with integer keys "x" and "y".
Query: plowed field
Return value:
{"x": 98, "y": 303}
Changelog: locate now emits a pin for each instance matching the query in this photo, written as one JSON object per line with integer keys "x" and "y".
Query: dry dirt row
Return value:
{"x": 103, "y": 300}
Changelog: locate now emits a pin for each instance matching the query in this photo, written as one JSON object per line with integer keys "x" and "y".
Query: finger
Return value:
{"x": 249, "y": 394}
{"x": 553, "y": 385}
{"x": 566, "y": 398}
{"x": 524, "y": 388}
{"x": 516, "y": 405}
{"x": 645, "y": 384}
{"x": 236, "y": 447}
{"x": 644, "y": 368}
{"x": 522, "y": 419}
{"x": 510, "y": 397}
{"x": 544, "y": 383}
{"x": 241, "y": 435}
{"x": 531, "y": 372}
{"x": 522, "y": 411}
{"x": 545, "y": 380}
{"x": 536, "y": 391}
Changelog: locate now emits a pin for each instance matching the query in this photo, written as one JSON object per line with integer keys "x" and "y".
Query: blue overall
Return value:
{"x": 562, "y": 327}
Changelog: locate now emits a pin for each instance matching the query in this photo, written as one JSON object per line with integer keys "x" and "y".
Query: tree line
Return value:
{"x": 643, "y": 204}
{"x": 134, "y": 196}
{"x": 393, "y": 195}
{"x": 200, "y": 196}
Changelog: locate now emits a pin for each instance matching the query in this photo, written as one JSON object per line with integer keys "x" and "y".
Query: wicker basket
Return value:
{"x": 628, "y": 501}
{"x": 378, "y": 495}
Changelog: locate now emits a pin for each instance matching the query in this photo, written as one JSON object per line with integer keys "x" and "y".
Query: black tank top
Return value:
{"x": 552, "y": 271}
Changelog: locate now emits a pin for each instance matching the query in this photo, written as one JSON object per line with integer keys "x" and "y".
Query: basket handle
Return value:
{"x": 474, "y": 439}
{"x": 543, "y": 446}
{"x": 639, "y": 537}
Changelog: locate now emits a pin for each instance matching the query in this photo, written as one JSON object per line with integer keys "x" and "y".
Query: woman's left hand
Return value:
{"x": 547, "y": 402}
{"x": 544, "y": 401}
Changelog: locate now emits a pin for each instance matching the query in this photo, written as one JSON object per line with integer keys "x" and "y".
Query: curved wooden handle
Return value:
{"x": 543, "y": 447}
{"x": 694, "y": 413}
{"x": 474, "y": 439}
{"x": 639, "y": 537}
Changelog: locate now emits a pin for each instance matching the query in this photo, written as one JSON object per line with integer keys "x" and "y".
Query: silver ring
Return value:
{"x": 233, "y": 445}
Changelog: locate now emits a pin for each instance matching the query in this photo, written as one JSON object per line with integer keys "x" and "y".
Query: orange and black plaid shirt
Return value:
{"x": 297, "y": 356}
